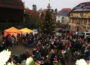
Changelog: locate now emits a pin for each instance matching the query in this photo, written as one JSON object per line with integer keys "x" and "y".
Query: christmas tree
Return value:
{"x": 48, "y": 24}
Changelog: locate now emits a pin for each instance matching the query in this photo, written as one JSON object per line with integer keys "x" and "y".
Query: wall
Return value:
{"x": 62, "y": 19}
{"x": 81, "y": 19}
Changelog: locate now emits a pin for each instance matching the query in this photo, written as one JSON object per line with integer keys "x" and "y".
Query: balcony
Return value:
{"x": 80, "y": 16}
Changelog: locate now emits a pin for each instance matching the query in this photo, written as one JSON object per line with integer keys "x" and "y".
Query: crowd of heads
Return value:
{"x": 49, "y": 49}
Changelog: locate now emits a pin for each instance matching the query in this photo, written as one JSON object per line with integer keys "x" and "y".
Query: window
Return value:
{"x": 89, "y": 21}
{"x": 81, "y": 14}
{"x": 77, "y": 22}
{"x": 62, "y": 19}
{"x": 80, "y": 22}
{"x": 85, "y": 21}
{"x": 71, "y": 14}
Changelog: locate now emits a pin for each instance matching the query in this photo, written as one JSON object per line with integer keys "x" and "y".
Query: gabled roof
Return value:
{"x": 64, "y": 12}
{"x": 82, "y": 7}
{"x": 18, "y": 4}
{"x": 30, "y": 12}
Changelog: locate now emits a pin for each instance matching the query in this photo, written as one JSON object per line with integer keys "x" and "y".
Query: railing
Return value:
{"x": 80, "y": 16}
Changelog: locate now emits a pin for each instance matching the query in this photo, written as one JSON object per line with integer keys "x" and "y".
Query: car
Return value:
{"x": 87, "y": 34}
{"x": 35, "y": 31}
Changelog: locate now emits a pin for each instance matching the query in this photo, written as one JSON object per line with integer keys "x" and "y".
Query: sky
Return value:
{"x": 59, "y": 4}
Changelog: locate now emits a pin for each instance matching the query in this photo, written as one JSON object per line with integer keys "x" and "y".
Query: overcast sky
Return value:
{"x": 59, "y": 4}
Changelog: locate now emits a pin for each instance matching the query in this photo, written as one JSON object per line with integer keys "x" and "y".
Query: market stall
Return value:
{"x": 26, "y": 30}
{"x": 12, "y": 31}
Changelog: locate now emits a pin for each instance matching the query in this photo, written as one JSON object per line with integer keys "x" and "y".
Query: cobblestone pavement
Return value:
{"x": 18, "y": 49}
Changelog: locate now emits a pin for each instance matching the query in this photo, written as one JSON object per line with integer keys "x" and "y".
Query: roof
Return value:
{"x": 44, "y": 13}
{"x": 64, "y": 12}
{"x": 82, "y": 7}
{"x": 18, "y": 4}
{"x": 30, "y": 12}
{"x": 26, "y": 30}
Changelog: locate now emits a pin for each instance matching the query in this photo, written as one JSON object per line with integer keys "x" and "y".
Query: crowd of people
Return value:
{"x": 49, "y": 49}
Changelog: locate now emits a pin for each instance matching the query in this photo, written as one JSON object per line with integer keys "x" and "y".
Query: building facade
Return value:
{"x": 62, "y": 19}
{"x": 80, "y": 17}
{"x": 11, "y": 13}
{"x": 63, "y": 16}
